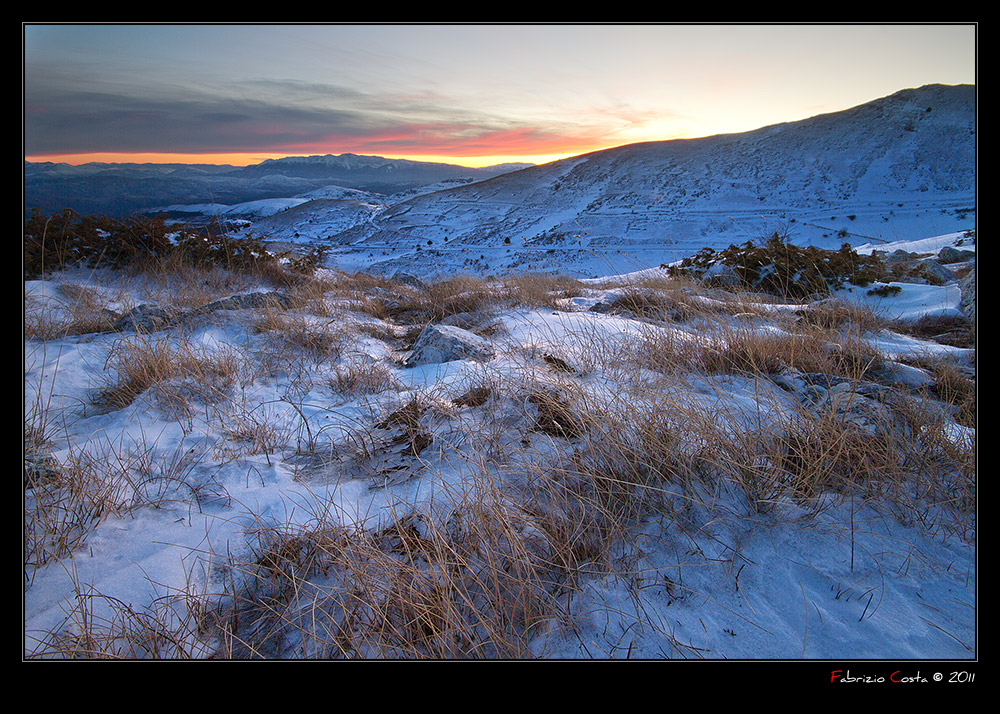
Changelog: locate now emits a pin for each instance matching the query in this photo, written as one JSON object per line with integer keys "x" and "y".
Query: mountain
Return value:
{"x": 894, "y": 168}
{"x": 898, "y": 168}
{"x": 374, "y": 174}
{"x": 121, "y": 189}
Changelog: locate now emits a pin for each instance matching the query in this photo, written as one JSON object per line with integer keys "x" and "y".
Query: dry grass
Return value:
{"x": 65, "y": 500}
{"x": 953, "y": 386}
{"x": 417, "y": 306}
{"x": 174, "y": 282}
{"x": 832, "y": 314}
{"x": 62, "y": 505}
{"x": 103, "y": 627}
{"x": 362, "y": 378}
{"x": 561, "y": 475}
{"x": 416, "y": 587}
{"x": 724, "y": 346}
{"x": 535, "y": 290}
{"x": 954, "y": 331}
{"x": 76, "y": 310}
{"x": 747, "y": 351}
{"x": 179, "y": 371}
{"x": 321, "y": 339}
{"x": 250, "y": 432}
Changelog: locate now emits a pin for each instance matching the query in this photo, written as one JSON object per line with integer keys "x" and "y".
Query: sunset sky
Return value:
{"x": 464, "y": 94}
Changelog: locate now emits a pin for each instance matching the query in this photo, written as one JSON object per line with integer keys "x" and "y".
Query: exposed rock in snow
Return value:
{"x": 949, "y": 254}
{"x": 446, "y": 343}
{"x": 248, "y": 301}
{"x": 721, "y": 275}
{"x": 146, "y": 318}
{"x": 152, "y": 318}
{"x": 968, "y": 301}
{"x": 408, "y": 279}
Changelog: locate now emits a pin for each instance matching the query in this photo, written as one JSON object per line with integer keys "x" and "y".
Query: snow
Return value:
{"x": 255, "y": 209}
{"x": 712, "y": 575}
{"x": 860, "y": 177}
{"x": 848, "y": 581}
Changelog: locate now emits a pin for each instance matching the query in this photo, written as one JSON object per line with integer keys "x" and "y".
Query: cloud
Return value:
{"x": 118, "y": 113}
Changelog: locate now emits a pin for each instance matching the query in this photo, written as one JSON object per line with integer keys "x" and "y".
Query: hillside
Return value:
{"x": 568, "y": 412}
{"x": 892, "y": 169}
{"x": 284, "y": 464}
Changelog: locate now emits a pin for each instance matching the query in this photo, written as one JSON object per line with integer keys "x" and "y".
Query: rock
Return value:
{"x": 906, "y": 376}
{"x": 475, "y": 397}
{"x": 967, "y": 304}
{"x": 465, "y": 320}
{"x": 246, "y": 301}
{"x": 935, "y": 272}
{"x": 949, "y": 254}
{"x": 250, "y": 301}
{"x": 446, "y": 343}
{"x": 900, "y": 257}
{"x": 152, "y": 318}
{"x": 558, "y": 364}
{"x": 146, "y": 318}
{"x": 863, "y": 409}
{"x": 721, "y": 275}
{"x": 408, "y": 279}
{"x": 39, "y": 468}
{"x": 555, "y": 416}
{"x": 607, "y": 303}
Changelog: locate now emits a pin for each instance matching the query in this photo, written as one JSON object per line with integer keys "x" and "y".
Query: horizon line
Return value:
{"x": 243, "y": 159}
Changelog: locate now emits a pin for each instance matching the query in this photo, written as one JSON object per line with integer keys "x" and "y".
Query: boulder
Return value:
{"x": 949, "y": 254}
{"x": 967, "y": 304}
{"x": 446, "y": 343}
{"x": 250, "y": 301}
{"x": 152, "y": 318}
{"x": 721, "y": 275}
{"x": 409, "y": 279}
{"x": 146, "y": 318}
{"x": 869, "y": 409}
{"x": 900, "y": 257}
{"x": 935, "y": 272}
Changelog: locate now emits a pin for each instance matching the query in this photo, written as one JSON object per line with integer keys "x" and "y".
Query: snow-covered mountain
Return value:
{"x": 892, "y": 169}
{"x": 898, "y": 168}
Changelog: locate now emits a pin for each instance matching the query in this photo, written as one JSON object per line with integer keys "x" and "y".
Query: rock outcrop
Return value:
{"x": 446, "y": 343}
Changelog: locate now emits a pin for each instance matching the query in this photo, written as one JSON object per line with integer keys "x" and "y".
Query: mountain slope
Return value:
{"x": 880, "y": 171}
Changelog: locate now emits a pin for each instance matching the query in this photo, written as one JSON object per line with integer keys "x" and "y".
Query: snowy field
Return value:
{"x": 199, "y": 476}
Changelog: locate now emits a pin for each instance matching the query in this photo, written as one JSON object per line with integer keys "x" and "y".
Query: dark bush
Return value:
{"x": 886, "y": 290}
{"x": 781, "y": 268}
{"x": 66, "y": 239}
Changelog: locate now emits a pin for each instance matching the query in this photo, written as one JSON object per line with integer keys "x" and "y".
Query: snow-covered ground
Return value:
{"x": 846, "y": 580}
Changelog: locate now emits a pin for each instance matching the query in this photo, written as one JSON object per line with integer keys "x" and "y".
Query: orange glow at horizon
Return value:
{"x": 241, "y": 159}
{"x": 153, "y": 158}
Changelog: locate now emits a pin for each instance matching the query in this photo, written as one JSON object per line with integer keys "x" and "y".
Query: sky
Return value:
{"x": 464, "y": 94}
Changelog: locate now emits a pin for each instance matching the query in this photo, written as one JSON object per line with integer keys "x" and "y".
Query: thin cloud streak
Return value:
{"x": 269, "y": 116}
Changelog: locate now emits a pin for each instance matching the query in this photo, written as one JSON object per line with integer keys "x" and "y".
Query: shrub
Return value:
{"x": 788, "y": 270}
{"x": 67, "y": 239}
{"x": 886, "y": 291}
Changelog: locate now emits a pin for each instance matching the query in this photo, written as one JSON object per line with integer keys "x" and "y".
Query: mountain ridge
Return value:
{"x": 880, "y": 171}
{"x": 899, "y": 167}
{"x": 125, "y": 188}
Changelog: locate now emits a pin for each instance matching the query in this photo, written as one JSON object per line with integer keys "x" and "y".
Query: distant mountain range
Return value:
{"x": 122, "y": 189}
